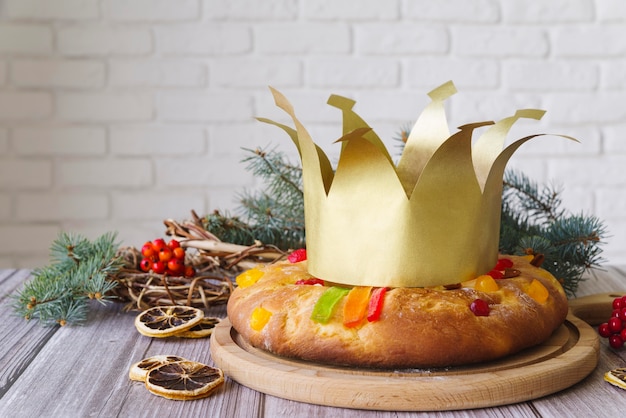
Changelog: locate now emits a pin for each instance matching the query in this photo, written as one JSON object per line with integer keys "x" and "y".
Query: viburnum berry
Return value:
{"x": 617, "y": 303}
{"x": 179, "y": 252}
{"x": 175, "y": 266}
{"x": 158, "y": 244}
{"x": 190, "y": 271}
{"x": 165, "y": 254}
{"x": 616, "y": 341}
{"x": 148, "y": 250}
{"x": 145, "y": 264}
{"x": 480, "y": 307}
{"x": 159, "y": 267}
{"x": 603, "y": 330}
{"x": 615, "y": 328}
{"x": 173, "y": 244}
{"x": 615, "y": 325}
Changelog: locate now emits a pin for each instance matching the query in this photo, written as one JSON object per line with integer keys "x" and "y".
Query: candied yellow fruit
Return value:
{"x": 259, "y": 318}
{"x": 486, "y": 283}
{"x": 249, "y": 277}
{"x": 538, "y": 291}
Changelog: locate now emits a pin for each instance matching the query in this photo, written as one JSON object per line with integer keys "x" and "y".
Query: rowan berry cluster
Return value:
{"x": 165, "y": 258}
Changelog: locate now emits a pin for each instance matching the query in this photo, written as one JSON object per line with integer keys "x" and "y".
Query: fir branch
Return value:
{"x": 273, "y": 216}
{"x": 532, "y": 222}
{"x": 538, "y": 203}
{"x": 79, "y": 271}
{"x": 282, "y": 178}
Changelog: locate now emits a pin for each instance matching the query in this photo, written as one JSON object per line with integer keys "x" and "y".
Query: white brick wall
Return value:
{"x": 116, "y": 114}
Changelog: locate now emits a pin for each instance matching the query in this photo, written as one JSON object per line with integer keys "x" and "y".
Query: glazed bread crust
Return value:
{"x": 418, "y": 327}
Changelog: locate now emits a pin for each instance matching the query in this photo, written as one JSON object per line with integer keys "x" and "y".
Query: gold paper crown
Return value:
{"x": 433, "y": 219}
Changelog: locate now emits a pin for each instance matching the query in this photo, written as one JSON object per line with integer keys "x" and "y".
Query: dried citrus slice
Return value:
{"x": 201, "y": 330}
{"x": 165, "y": 321}
{"x": 184, "y": 380}
{"x": 139, "y": 370}
{"x": 616, "y": 377}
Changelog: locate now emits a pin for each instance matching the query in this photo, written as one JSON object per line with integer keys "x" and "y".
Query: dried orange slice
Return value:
{"x": 184, "y": 380}
{"x": 616, "y": 377}
{"x": 139, "y": 370}
{"x": 201, "y": 330}
{"x": 165, "y": 321}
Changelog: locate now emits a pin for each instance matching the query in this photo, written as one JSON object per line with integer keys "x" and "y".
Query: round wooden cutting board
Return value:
{"x": 563, "y": 360}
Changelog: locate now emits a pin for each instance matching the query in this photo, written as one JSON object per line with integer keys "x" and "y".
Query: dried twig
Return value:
{"x": 216, "y": 263}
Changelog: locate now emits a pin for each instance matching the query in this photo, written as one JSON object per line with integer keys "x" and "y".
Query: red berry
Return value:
{"x": 148, "y": 250}
{"x": 190, "y": 271}
{"x": 158, "y": 267}
{"x": 165, "y": 254}
{"x": 173, "y": 244}
{"x": 615, "y": 325}
{"x": 617, "y": 313}
{"x": 616, "y": 341}
{"x": 175, "y": 265}
{"x": 503, "y": 263}
{"x": 297, "y": 255}
{"x": 617, "y": 303}
{"x": 480, "y": 307}
{"x": 159, "y": 244}
{"x": 603, "y": 330}
{"x": 179, "y": 252}
{"x": 623, "y": 334}
{"x": 145, "y": 264}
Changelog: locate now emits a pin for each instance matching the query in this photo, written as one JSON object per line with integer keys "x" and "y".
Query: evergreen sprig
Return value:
{"x": 79, "y": 271}
{"x": 274, "y": 215}
{"x": 533, "y": 222}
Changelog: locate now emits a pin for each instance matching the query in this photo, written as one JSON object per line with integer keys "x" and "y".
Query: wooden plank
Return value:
{"x": 21, "y": 340}
{"x": 76, "y": 372}
{"x": 83, "y": 371}
{"x": 279, "y": 407}
{"x": 10, "y": 281}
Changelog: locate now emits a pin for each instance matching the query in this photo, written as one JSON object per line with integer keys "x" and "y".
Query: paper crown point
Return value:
{"x": 432, "y": 219}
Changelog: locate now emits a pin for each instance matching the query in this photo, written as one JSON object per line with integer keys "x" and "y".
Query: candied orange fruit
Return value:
{"x": 538, "y": 291}
{"x": 486, "y": 283}
{"x": 259, "y": 318}
{"x": 249, "y": 277}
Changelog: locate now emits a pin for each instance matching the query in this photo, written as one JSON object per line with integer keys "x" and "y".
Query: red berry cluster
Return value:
{"x": 615, "y": 328}
{"x": 162, "y": 258}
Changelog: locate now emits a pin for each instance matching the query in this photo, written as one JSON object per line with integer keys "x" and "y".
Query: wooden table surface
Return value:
{"x": 82, "y": 371}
